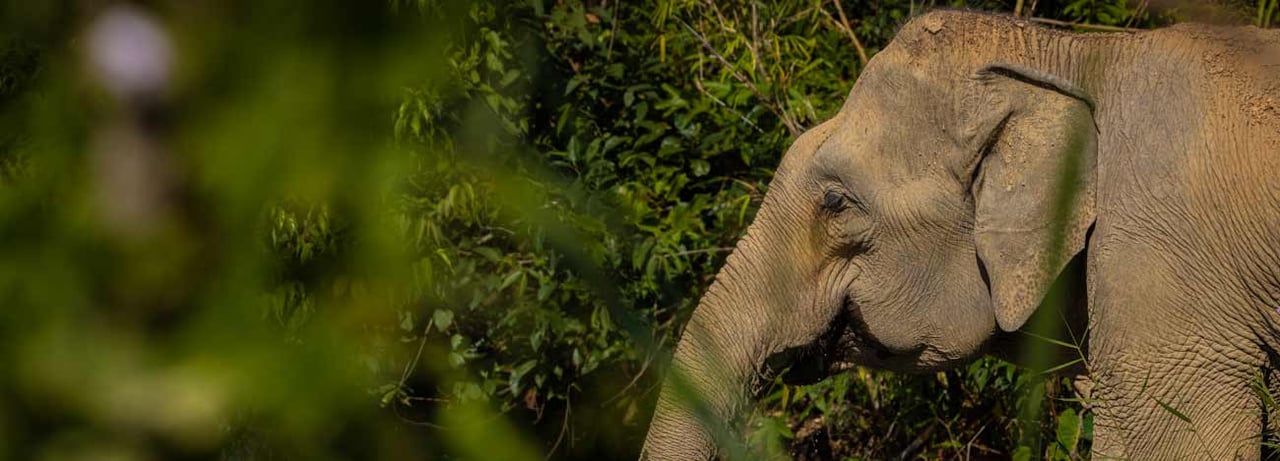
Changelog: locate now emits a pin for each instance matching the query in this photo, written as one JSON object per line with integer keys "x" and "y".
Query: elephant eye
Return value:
{"x": 834, "y": 202}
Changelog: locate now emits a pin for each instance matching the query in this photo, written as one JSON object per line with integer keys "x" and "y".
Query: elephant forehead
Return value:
{"x": 850, "y": 150}
{"x": 803, "y": 150}
{"x": 872, "y": 148}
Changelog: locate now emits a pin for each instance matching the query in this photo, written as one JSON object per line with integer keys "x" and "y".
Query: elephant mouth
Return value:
{"x": 861, "y": 348}
{"x": 819, "y": 359}
{"x": 845, "y": 344}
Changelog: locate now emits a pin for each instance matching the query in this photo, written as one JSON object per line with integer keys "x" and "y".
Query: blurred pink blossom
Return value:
{"x": 129, "y": 51}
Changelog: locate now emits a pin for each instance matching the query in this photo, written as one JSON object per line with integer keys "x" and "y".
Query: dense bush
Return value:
{"x": 450, "y": 230}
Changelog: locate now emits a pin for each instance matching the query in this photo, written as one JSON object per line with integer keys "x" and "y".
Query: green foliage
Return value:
{"x": 974, "y": 411}
{"x": 579, "y": 235}
{"x": 1268, "y": 13}
{"x": 1105, "y": 12}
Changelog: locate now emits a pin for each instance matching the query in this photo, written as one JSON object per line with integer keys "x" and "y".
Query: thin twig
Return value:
{"x": 701, "y": 250}
{"x": 1142, "y": 8}
{"x": 768, "y": 102}
{"x": 608, "y": 53}
{"x": 698, "y": 84}
{"x": 1055, "y": 22}
{"x": 715, "y": 9}
{"x": 951, "y": 436}
{"x": 969, "y": 446}
{"x": 415, "y": 422}
{"x": 795, "y": 17}
{"x": 752, "y": 44}
{"x": 751, "y": 188}
{"x": 409, "y": 367}
{"x": 564, "y": 426}
{"x": 844, "y": 20}
{"x": 919, "y": 441}
{"x": 647, "y": 360}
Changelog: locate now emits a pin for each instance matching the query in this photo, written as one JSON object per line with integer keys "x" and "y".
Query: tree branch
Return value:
{"x": 844, "y": 24}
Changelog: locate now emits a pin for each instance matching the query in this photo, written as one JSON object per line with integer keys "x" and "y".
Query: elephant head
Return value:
{"x": 938, "y": 205}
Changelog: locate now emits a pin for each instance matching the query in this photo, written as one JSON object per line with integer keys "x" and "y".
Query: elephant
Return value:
{"x": 975, "y": 157}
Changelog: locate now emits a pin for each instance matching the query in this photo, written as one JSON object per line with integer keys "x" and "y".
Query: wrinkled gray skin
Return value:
{"x": 917, "y": 225}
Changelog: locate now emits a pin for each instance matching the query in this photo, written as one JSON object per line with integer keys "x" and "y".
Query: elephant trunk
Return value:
{"x": 717, "y": 360}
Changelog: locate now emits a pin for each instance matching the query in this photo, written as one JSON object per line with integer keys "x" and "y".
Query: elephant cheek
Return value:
{"x": 961, "y": 323}
{"x": 920, "y": 329}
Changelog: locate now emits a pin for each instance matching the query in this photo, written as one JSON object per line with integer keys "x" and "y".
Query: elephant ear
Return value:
{"x": 1034, "y": 146}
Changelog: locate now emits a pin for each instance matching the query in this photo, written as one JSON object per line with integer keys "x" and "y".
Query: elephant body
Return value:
{"x": 975, "y": 156}
{"x": 1184, "y": 261}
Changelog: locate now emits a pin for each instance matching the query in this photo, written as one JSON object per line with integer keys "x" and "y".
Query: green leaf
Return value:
{"x": 389, "y": 393}
{"x": 1023, "y": 453}
{"x": 442, "y": 318}
{"x": 1173, "y": 411}
{"x": 544, "y": 290}
{"x": 510, "y": 279}
{"x": 700, "y": 168}
{"x": 1062, "y": 366}
{"x": 488, "y": 253}
{"x": 444, "y": 257}
{"x": 535, "y": 339}
{"x": 513, "y": 381}
{"x": 1068, "y": 428}
{"x": 1051, "y": 340}
{"x": 509, "y": 77}
{"x": 406, "y": 321}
